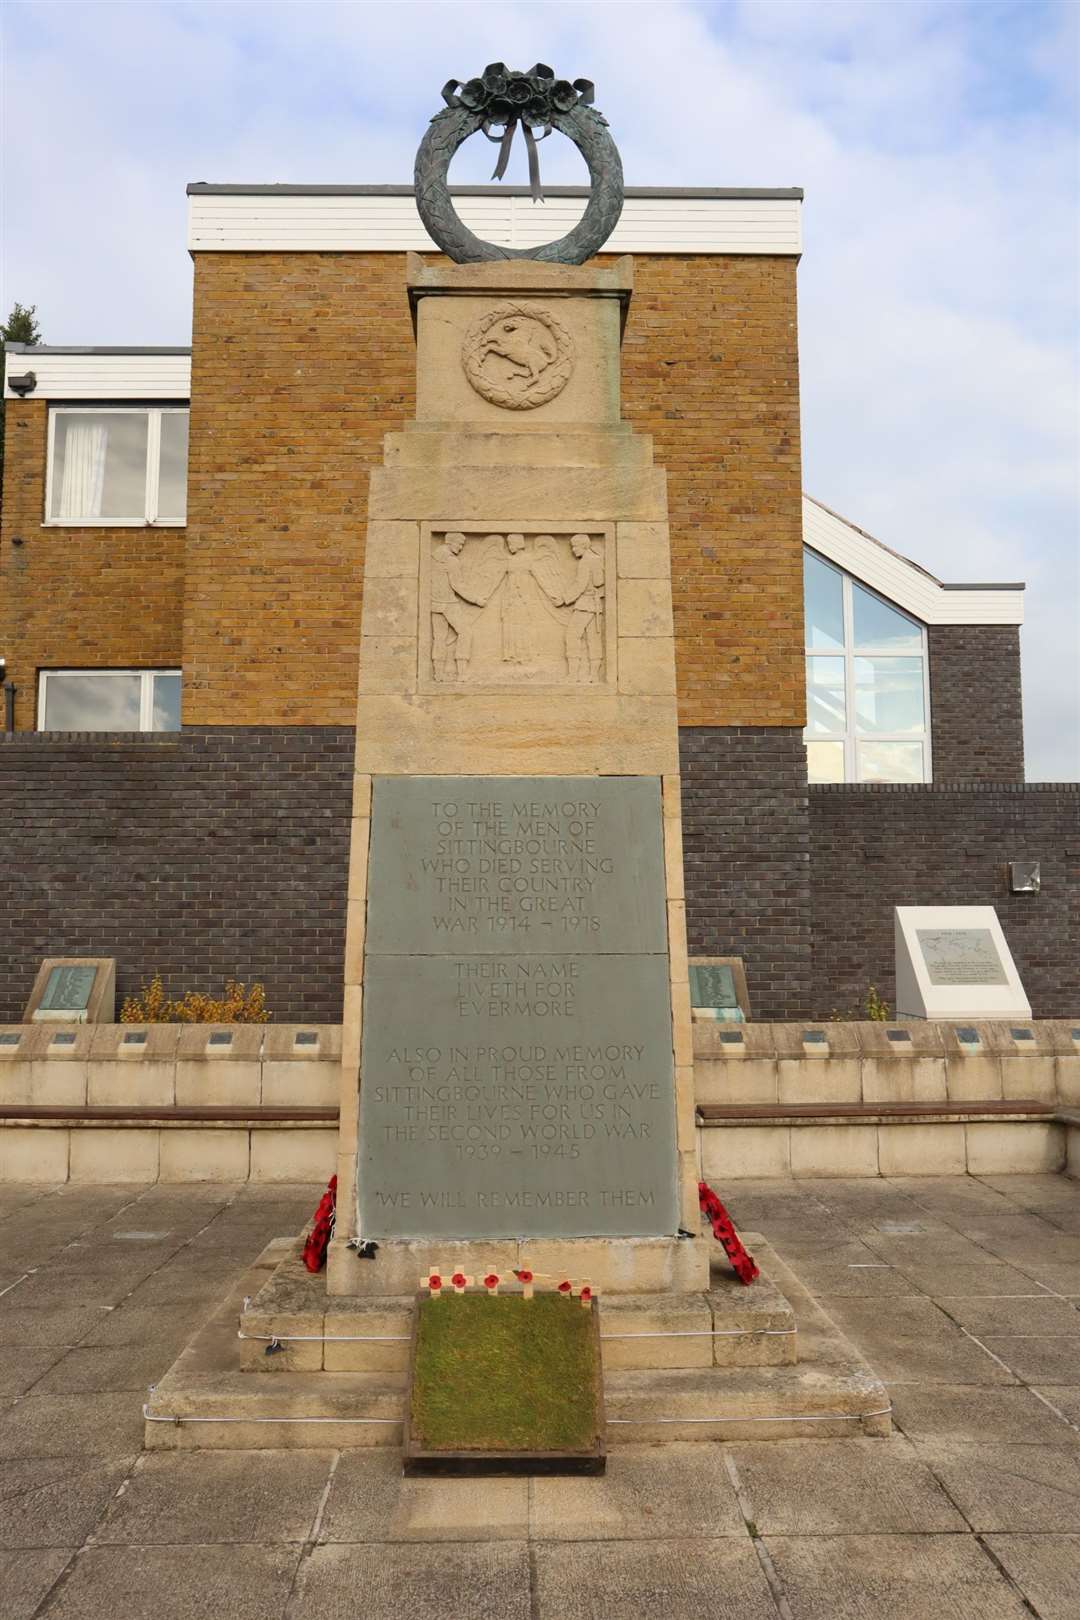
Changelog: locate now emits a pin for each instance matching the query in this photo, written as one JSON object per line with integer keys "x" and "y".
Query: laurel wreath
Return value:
{"x": 555, "y": 376}
{"x": 579, "y": 121}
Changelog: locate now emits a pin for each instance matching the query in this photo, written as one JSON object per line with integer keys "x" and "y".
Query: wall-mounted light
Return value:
{"x": 23, "y": 384}
{"x": 1025, "y": 877}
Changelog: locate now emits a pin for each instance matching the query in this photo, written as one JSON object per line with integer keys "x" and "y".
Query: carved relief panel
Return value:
{"x": 506, "y": 604}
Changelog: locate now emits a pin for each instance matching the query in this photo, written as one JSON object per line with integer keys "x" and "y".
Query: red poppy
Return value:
{"x": 491, "y": 1280}
{"x": 458, "y": 1279}
{"x": 523, "y": 1276}
{"x": 586, "y": 1293}
{"x": 434, "y": 1281}
{"x": 564, "y": 1288}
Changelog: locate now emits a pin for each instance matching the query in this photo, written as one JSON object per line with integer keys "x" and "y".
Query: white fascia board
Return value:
{"x": 372, "y": 221}
{"x": 101, "y": 374}
{"x": 900, "y": 581}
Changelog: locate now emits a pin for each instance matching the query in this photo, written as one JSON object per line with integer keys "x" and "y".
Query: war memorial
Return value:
{"x": 551, "y": 917}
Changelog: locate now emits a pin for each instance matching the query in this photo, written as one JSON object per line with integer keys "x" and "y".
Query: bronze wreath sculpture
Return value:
{"x": 503, "y": 99}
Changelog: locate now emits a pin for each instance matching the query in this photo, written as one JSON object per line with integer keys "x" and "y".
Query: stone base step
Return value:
{"x": 294, "y": 1325}
{"x": 207, "y": 1402}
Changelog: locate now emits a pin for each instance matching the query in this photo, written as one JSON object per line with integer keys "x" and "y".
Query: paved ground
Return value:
{"x": 964, "y": 1294}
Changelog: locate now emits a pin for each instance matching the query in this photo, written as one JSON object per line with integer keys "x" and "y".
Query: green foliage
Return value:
{"x": 20, "y": 327}
{"x": 873, "y": 1010}
{"x": 504, "y": 1374}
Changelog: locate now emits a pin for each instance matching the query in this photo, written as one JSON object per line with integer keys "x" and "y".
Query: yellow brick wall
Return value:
{"x": 301, "y": 362}
{"x": 79, "y": 597}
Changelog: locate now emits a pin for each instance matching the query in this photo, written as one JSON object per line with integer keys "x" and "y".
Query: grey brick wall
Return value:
{"x": 876, "y": 847}
{"x": 199, "y": 855}
{"x": 746, "y": 839}
{"x": 976, "y": 708}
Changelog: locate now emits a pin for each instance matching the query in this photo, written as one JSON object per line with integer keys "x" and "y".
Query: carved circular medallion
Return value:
{"x": 518, "y": 356}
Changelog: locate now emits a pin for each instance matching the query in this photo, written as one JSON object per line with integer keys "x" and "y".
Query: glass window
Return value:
{"x": 825, "y": 700}
{"x": 172, "y": 478}
{"x": 825, "y": 761}
{"x": 109, "y": 700}
{"x": 889, "y": 694}
{"x": 116, "y": 465}
{"x": 824, "y": 596}
{"x": 890, "y": 761}
{"x": 879, "y": 626}
{"x": 867, "y": 716}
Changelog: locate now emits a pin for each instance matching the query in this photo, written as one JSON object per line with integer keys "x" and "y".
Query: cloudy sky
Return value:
{"x": 937, "y": 144}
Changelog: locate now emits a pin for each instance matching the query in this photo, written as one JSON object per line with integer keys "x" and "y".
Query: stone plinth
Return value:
{"x": 517, "y": 1054}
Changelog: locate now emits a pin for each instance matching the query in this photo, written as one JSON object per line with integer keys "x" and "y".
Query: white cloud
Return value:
{"x": 936, "y": 143}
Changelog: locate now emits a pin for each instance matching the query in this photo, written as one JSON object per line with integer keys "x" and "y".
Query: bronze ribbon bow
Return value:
{"x": 506, "y": 140}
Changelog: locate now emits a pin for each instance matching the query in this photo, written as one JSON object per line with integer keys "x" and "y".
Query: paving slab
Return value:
{"x": 1034, "y": 1313}
{"x": 1007, "y": 1487}
{"x": 476, "y": 1581}
{"x": 1000, "y": 1281}
{"x": 1046, "y": 1569}
{"x": 1038, "y": 1359}
{"x": 72, "y": 1426}
{"x": 1066, "y": 1398}
{"x": 648, "y": 1491}
{"x": 872, "y": 1278}
{"x": 19, "y": 1372}
{"x": 833, "y": 1487}
{"x": 41, "y": 1329}
{"x": 25, "y": 1577}
{"x": 872, "y": 1577}
{"x": 177, "y": 1583}
{"x": 56, "y": 1501}
{"x": 105, "y": 1368}
{"x": 911, "y": 1341}
{"x": 242, "y": 1496}
{"x": 978, "y": 1414}
{"x": 633, "y": 1580}
{"x": 370, "y": 1500}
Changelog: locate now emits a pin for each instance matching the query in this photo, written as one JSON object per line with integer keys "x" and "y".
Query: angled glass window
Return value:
{"x": 117, "y": 465}
{"x": 867, "y": 692}
{"x": 109, "y": 700}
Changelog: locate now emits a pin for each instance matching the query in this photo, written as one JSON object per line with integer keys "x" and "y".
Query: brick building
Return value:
{"x": 180, "y": 575}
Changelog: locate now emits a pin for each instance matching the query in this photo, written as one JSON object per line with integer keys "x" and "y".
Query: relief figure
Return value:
{"x": 452, "y": 611}
{"x": 516, "y": 608}
{"x": 585, "y": 598}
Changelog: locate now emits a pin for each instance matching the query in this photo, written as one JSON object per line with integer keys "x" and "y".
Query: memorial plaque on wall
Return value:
{"x": 517, "y": 1074}
{"x": 955, "y": 962}
{"x": 961, "y": 956}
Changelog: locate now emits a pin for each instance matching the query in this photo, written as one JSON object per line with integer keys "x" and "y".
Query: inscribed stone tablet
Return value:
{"x": 490, "y": 864}
{"x": 517, "y": 1068}
{"x": 526, "y": 1096}
{"x": 68, "y": 989}
{"x": 713, "y": 986}
{"x": 961, "y": 956}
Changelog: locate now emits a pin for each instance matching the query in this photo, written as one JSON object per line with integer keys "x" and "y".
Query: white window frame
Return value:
{"x": 849, "y": 652}
{"x": 146, "y": 690}
{"x": 153, "y": 413}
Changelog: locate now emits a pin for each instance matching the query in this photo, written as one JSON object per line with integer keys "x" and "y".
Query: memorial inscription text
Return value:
{"x": 517, "y": 1068}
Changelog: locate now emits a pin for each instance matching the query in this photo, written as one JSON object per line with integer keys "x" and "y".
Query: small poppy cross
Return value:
{"x": 433, "y": 1282}
{"x": 460, "y": 1282}
{"x": 526, "y": 1279}
{"x": 491, "y": 1282}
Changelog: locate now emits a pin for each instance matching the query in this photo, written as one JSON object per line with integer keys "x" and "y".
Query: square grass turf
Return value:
{"x": 504, "y": 1374}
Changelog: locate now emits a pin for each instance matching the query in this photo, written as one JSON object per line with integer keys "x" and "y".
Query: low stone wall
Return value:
{"x": 779, "y": 1083}
{"x": 95, "y": 1103}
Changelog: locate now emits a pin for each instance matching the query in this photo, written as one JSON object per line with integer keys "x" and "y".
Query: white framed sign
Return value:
{"x": 954, "y": 962}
